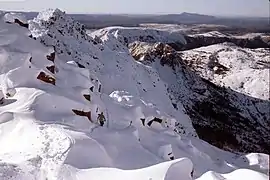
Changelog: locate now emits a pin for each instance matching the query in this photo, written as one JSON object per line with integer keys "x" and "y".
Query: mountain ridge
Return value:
{"x": 49, "y": 128}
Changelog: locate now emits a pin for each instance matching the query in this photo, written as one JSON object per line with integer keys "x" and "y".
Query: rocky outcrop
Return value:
{"x": 51, "y": 57}
{"x": 87, "y": 97}
{"x": 46, "y": 78}
{"x": 17, "y": 21}
{"x": 83, "y": 113}
{"x": 167, "y": 55}
{"x": 51, "y": 68}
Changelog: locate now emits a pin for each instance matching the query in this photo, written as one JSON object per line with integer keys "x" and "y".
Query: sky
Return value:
{"x": 249, "y": 8}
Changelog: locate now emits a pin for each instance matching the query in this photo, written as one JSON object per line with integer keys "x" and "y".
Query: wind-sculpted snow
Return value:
{"x": 108, "y": 68}
{"x": 171, "y": 170}
{"x": 238, "y": 174}
{"x": 56, "y": 81}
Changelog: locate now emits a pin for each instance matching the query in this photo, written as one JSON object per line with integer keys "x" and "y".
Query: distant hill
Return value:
{"x": 186, "y": 18}
{"x": 104, "y": 20}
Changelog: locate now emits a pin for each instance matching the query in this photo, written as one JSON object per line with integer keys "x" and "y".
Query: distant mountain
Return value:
{"x": 93, "y": 21}
{"x": 186, "y": 18}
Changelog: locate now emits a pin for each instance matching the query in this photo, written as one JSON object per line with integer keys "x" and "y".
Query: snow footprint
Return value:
{"x": 56, "y": 146}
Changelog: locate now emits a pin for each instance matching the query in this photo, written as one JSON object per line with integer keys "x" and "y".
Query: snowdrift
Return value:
{"x": 55, "y": 80}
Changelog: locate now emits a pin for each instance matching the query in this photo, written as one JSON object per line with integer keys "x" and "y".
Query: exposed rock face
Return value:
{"x": 193, "y": 42}
{"x": 51, "y": 69}
{"x": 46, "y": 78}
{"x": 26, "y": 25}
{"x": 166, "y": 54}
{"x": 87, "y": 97}
{"x": 227, "y": 119}
{"x": 51, "y": 57}
{"x": 230, "y": 120}
{"x": 83, "y": 113}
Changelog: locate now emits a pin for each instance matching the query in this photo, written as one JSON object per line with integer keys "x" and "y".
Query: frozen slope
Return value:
{"x": 47, "y": 131}
{"x": 243, "y": 70}
{"x": 129, "y": 83}
{"x": 227, "y": 118}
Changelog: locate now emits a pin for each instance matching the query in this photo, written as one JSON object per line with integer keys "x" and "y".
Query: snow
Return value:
{"x": 10, "y": 17}
{"x": 41, "y": 138}
{"x": 211, "y": 34}
{"x": 235, "y": 175}
{"x": 191, "y": 30}
{"x": 165, "y": 171}
{"x": 127, "y": 35}
{"x": 248, "y": 70}
{"x": 251, "y": 35}
{"x": 165, "y": 27}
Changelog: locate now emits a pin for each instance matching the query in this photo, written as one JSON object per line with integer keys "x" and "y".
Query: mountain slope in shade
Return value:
{"x": 53, "y": 91}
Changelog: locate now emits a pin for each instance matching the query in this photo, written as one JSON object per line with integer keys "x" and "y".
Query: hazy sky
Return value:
{"x": 211, "y": 7}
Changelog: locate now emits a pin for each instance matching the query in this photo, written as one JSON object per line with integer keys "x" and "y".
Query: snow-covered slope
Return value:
{"x": 119, "y": 75}
{"x": 212, "y": 34}
{"x": 214, "y": 109}
{"x": 234, "y": 96}
{"x": 129, "y": 35}
{"x": 243, "y": 70}
{"x": 10, "y": 17}
{"x": 51, "y": 94}
{"x": 238, "y": 174}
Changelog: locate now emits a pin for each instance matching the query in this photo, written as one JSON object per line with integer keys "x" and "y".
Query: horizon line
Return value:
{"x": 153, "y": 14}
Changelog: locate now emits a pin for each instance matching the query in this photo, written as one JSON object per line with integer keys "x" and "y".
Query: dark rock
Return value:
{"x": 82, "y": 113}
{"x": 51, "y": 68}
{"x": 17, "y": 21}
{"x": 87, "y": 97}
{"x": 46, "y": 78}
{"x": 158, "y": 120}
{"x": 51, "y": 57}
{"x": 143, "y": 121}
{"x": 80, "y": 65}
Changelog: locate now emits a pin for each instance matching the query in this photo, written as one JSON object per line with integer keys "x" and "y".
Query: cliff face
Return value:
{"x": 228, "y": 118}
